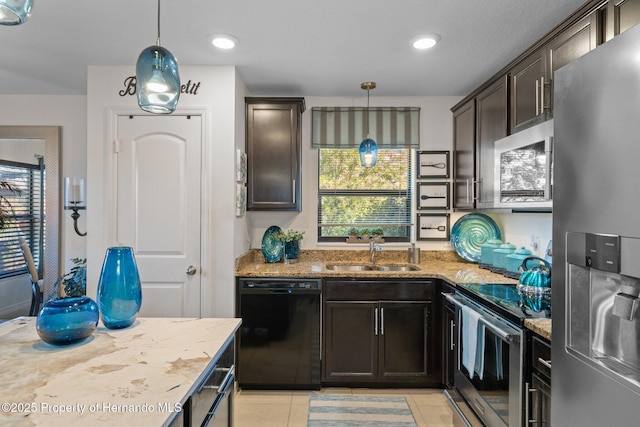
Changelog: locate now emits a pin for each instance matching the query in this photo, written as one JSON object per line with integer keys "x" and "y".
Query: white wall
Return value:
{"x": 218, "y": 95}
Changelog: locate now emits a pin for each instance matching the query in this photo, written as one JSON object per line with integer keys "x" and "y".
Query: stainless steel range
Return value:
{"x": 489, "y": 355}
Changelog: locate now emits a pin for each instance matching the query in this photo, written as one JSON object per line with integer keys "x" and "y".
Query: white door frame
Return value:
{"x": 110, "y": 195}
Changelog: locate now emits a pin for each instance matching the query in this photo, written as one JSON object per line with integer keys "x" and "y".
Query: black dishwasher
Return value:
{"x": 279, "y": 340}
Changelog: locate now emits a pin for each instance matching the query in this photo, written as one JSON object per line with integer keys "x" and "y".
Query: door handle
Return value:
{"x": 191, "y": 270}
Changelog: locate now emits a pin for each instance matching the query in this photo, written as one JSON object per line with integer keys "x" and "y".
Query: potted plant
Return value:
{"x": 291, "y": 240}
{"x": 376, "y": 234}
{"x": 6, "y": 210}
{"x": 74, "y": 282}
{"x": 364, "y": 233}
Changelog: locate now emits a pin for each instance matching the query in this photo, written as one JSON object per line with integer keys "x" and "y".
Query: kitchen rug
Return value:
{"x": 330, "y": 410}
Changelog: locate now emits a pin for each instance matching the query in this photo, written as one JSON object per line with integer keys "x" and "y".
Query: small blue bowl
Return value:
{"x": 67, "y": 320}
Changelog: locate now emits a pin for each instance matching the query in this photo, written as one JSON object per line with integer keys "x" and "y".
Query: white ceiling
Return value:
{"x": 286, "y": 47}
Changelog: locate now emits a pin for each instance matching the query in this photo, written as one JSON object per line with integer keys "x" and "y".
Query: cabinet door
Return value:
{"x": 464, "y": 137}
{"x": 491, "y": 122}
{"x": 351, "y": 341}
{"x": 273, "y": 155}
{"x": 527, "y": 94}
{"x": 570, "y": 45}
{"x": 621, "y": 15}
{"x": 404, "y": 349}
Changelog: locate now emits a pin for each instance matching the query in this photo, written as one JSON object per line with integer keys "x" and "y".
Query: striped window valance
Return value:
{"x": 346, "y": 127}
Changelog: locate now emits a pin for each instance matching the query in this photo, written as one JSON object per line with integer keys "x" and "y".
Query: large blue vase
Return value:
{"x": 119, "y": 290}
{"x": 67, "y": 320}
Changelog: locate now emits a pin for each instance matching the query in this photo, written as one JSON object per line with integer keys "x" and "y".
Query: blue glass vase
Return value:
{"x": 67, "y": 320}
{"x": 119, "y": 290}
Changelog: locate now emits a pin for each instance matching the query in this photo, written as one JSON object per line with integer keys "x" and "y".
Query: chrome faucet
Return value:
{"x": 373, "y": 248}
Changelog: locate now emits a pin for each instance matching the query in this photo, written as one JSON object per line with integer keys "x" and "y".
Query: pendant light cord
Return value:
{"x": 368, "y": 112}
{"x": 158, "y": 39}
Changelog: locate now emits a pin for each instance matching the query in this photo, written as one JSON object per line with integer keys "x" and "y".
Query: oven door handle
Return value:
{"x": 502, "y": 333}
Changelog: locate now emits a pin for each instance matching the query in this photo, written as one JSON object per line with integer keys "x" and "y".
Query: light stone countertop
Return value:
{"x": 541, "y": 327}
{"x": 134, "y": 376}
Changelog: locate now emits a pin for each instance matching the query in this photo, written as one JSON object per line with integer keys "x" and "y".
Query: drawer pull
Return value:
{"x": 546, "y": 363}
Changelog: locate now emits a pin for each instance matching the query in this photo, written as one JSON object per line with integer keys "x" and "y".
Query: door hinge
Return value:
{"x": 116, "y": 146}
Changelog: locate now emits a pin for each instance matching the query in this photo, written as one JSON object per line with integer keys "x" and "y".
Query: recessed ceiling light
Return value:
{"x": 425, "y": 41}
{"x": 224, "y": 41}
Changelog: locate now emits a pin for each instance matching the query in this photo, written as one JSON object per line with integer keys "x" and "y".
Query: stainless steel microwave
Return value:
{"x": 523, "y": 169}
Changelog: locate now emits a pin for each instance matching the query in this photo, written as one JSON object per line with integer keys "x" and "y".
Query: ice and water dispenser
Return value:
{"x": 603, "y": 304}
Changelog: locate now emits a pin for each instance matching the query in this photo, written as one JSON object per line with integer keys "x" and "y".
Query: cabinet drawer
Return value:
{"x": 541, "y": 356}
{"x": 355, "y": 289}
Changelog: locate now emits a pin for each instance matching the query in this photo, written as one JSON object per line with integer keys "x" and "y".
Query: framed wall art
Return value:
{"x": 433, "y": 164}
{"x": 433, "y": 195}
{"x": 433, "y": 226}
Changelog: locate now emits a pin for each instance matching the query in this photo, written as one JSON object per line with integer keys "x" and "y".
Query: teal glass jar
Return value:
{"x": 292, "y": 249}
{"x": 67, "y": 320}
{"x": 119, "y": 289}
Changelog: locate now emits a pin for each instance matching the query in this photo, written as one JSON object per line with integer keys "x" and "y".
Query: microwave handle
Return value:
{"x": 548, "y": 155}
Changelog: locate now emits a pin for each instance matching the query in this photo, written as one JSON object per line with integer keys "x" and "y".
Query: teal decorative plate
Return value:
{"x": 271, "y": 246}
{"x": 470, "y": 232}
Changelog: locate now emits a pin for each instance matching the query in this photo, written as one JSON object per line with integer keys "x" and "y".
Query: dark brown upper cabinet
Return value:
{"x": 491, "y": 125}
{"x": 274, "y": 153}
{"x": 532, "y": 78}
{"x": 620, "y": 16}
{"x": 464, "y": 141}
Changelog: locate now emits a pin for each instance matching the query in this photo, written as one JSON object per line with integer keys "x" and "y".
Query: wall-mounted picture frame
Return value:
{"x": 241, "y": 200}
{"x": 433, "y": 195}
{"x": 433, "y": 164}
{"x": 433, "y": 226}
{"x": 241, "y": 166}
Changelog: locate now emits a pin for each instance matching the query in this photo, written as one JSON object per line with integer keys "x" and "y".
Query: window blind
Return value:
{"x": 28, "y": 221}
{"x": 346, "y": 127}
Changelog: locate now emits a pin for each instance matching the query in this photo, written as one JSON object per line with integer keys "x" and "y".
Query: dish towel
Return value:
{"x": 479, "y": 367}
{"x": 470, "y": 320}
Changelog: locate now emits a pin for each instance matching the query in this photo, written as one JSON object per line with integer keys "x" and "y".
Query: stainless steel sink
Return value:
{"x": 349, "y": 267}
{"x": 363, "y": 267}
{"x": 397, "y": 268}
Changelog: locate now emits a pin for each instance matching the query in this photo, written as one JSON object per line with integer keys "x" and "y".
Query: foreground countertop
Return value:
{"x": 134, "y": 376}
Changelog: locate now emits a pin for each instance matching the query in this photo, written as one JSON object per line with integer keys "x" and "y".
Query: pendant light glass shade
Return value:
{"x": 368, "y": 153}
{"x": 368, "y": 147}
{"x": 157, "y": 80}
{"x": 15, "y": 12}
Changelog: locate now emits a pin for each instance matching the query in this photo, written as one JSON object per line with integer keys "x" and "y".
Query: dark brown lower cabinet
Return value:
{"x": 380, "y": 341}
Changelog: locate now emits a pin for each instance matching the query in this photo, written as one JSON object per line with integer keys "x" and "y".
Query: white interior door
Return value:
{"x": 158, "y": 173}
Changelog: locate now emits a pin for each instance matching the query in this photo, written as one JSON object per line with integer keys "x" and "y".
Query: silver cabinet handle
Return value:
{"x": 527, "y": 410}
{"x": 382, "y": 321}
{"x": 375, "y": 321}
{"x": 191, "y": 270}
{"x": 468, "y": 190}
{"x": 452, "y": 326}
{"x": 293, "y": 191}
{"x": 541, "y": 95}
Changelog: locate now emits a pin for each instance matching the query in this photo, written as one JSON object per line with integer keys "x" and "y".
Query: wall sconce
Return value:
{"x": 75, "y": 199}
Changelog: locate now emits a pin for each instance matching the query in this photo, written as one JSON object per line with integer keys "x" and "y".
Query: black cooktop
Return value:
{"x": 501, "y": 298}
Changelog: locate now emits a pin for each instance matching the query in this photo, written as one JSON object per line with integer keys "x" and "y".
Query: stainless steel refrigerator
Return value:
{"x": 596, "y": 237}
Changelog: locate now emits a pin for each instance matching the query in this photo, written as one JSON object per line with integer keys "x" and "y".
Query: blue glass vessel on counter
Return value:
{"x": 67, "y": 320}
{"x": 119, "y": 289}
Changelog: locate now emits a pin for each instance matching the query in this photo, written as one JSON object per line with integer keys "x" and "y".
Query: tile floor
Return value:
{"x": 266, "y": 408}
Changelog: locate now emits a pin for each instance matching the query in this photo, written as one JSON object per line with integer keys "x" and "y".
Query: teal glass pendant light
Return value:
{"x": 15, "y": 12}
{"x": 368, "y": 147}
{"x": 157, "y": 78}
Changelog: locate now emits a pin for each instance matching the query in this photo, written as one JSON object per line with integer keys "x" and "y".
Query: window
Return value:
{"x": 350, "y": 195}
{"x": 28, "y": 221}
